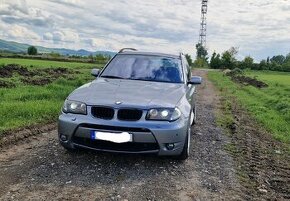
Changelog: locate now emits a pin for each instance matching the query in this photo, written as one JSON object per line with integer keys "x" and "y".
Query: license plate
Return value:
{"x": 112, "y": 137}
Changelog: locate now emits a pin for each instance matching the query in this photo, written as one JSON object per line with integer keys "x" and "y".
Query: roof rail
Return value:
{"x": 124, "y": 49}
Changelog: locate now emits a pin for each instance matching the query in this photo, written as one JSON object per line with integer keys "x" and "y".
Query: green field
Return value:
{"x": 46, "y": 64}
{"x": 28, "y": 104}
{"x": 270, "y": 106}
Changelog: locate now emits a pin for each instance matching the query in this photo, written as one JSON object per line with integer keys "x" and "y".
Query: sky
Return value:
{"x": 258, "y": 28}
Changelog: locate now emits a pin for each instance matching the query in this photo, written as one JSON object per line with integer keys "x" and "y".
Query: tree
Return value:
{"x": 54, "y": 55}
{"x": 201, "y": 57}
{"x": 215, "y": 61}
{"x": 189, "y": 59}
{"x": 233, "y": 51}
{"x": 286, "y": 66}
{"x": 101, "y": 58}
{"x": 229, "y": 59}
{"x": 263, "y": 65}
{"x": 200, "y": 63}
{"x": 248, "y": 62}
{"x": 279, "y": 59}
{"x": 287, "y": 58}
{"x": 32, "y": 50}
{"x": 212, "y": 60}
{"x": 275, "y": 66}
{"x": 91, "y": 58}
{"x": 201, "y": 52}
{"x": 268, "y": 60}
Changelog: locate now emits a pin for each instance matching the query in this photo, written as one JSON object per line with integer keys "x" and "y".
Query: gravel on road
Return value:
{"x": 38, "y": 168}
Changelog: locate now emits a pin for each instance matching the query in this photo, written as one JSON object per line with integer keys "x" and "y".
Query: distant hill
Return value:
{"x": 11, "y": 46}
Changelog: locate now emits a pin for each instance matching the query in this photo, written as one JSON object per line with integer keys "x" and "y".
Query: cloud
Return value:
{"x": 40, "y": 22}
{"x": 14, "y": 7}
{"x": 20, "y": 13}
{"x": 16, "y": 32}
{"x": 48, "y": 36}
{"x": 63, "y": 36}
{"x": 73, "y": 3}
{"x": 155, "y": 25}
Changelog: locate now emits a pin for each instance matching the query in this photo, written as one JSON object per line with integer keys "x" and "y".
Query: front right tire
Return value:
{"x": 186, "y": 148}
{"x": 68, "y": 148}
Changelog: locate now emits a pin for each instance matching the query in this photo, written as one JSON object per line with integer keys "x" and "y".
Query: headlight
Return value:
{"x": 163, "y": 114}
{"x": 74, "y": 107}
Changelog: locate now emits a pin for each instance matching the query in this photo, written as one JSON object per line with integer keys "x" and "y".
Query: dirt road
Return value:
{"x": 39, "y": 169}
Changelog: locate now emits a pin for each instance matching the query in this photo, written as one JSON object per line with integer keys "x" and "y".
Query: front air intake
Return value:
{"x": 129, "y": 114}
{"x": 106, "y": 113}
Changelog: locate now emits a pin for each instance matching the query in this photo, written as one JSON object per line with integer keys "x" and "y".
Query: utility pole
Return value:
{"x": 202, "y": 33}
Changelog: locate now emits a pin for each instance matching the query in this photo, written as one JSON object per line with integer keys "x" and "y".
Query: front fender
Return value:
{"x": 185, "y": 107}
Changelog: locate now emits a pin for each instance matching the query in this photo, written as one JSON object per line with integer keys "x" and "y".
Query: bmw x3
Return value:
{"x": 140, "y": 102}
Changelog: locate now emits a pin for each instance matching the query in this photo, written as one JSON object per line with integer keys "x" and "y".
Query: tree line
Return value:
{"x": 228, "y": 60}
{"x": 98, "y": 58}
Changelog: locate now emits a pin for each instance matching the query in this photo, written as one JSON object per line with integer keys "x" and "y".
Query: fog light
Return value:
{"x": 63, "y": 138}
{"x": 170, "y": 146}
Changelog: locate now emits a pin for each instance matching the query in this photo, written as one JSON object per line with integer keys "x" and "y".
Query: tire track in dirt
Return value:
{"x": 263, "y": 163}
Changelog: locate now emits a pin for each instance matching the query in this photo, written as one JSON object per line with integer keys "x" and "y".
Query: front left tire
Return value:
{"x": 193, "y": 116}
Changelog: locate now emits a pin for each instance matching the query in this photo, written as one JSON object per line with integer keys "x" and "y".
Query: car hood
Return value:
{"x": 131, "y": 93}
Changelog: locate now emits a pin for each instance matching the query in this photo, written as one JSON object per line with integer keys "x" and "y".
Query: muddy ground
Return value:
{"x": 37, "y": 168}
{"x": 241, "y": 79}
{"x": 40, "y": 77}
{"x": 262, "y": 163}
{"x": 237, "y": 75}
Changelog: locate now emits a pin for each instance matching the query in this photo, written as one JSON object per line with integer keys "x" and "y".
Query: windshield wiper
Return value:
{"x": 140, "y": 79}
{"x": 112, "y": 77}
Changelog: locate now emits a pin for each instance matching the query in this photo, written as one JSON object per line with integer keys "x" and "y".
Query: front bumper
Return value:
{"x": 148, "y": 136}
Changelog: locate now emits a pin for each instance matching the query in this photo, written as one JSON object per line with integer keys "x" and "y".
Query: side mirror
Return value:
{"x": 95, "y": 72}
{"x": 195, "y": 80}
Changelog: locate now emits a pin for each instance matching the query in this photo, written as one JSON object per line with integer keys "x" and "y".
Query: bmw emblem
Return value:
{"x": 118, "y": 102}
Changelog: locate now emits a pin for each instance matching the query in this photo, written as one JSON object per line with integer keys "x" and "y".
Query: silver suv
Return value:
{"x": 140, "y": 102}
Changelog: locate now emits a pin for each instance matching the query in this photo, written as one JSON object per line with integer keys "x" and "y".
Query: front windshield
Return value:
{"x": 146, "y": 68}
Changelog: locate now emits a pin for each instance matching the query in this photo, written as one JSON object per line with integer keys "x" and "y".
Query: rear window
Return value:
{"x": 146, "y": 68}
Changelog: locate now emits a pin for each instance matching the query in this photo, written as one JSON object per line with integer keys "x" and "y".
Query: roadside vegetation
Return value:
{"x": 269, "y": 104}
{"x": 36, "y": 89}
{"x": 262, "y": 88}
{"x": 227, "y": 60}
{"x": 32, "y": 53}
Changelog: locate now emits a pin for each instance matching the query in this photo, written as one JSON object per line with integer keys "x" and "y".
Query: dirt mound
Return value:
{"x": 8, "y": 70}
{"x": 238, "y": 75}
{"x": 233, "y": 72}
{"x": 37, "y": 81}
{"x": 241, "y": 79}
{"x": 6, "y": 84}
{"x": 44, "y": 76}
{"x": 57, "y": 71}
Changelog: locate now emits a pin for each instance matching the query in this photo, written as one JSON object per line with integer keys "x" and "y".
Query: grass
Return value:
{"x": 272, "y": 77}
{"x": 270, "y": 106}
{"x": 25, "y": 105}
{"x": 46, "y": 64}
